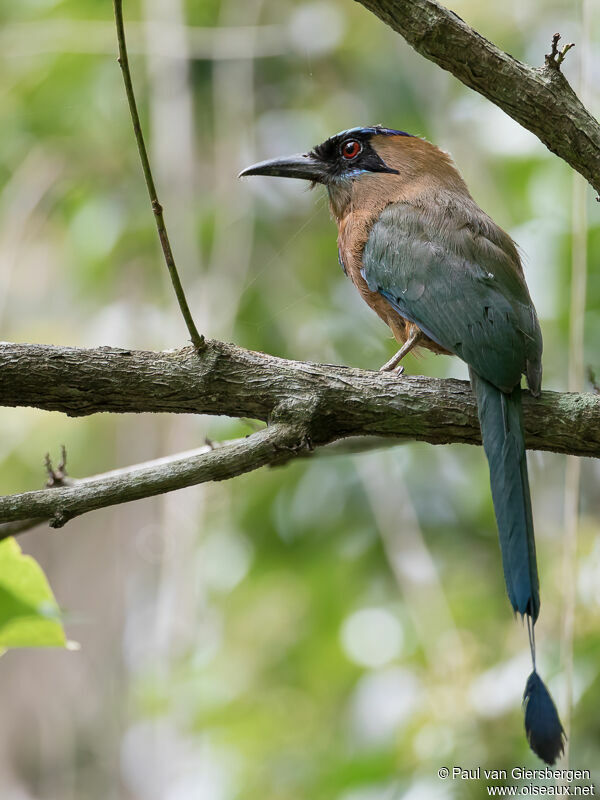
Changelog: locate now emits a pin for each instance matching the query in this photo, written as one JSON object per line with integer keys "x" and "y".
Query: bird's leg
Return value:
{"x": 413, "y": 339}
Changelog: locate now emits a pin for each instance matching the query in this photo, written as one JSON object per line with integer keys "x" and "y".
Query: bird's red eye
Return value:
{"x": 351, "y": 148}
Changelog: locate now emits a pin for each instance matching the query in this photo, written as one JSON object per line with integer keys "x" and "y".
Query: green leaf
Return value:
{"x": 29, "y": 614}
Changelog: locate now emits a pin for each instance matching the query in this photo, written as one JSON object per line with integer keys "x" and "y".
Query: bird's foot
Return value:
{"x": 412, "y": 341}
{"x": 392, "y": 366}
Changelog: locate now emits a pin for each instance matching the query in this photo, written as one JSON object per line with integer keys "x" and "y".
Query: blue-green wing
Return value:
{"x": 458, "y": 278}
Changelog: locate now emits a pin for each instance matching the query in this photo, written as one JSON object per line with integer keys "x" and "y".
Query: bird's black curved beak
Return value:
{"x": 303, "y": 165}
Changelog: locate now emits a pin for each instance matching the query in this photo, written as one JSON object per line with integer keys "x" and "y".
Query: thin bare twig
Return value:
{"x": 196, "y": 338}
{"x": 58, "y": 476}
{"x": 275, "y": 444}
{"x": 556, "y": 57}
{"x": 55, "y": 478}
{"x": 141, "y": 478}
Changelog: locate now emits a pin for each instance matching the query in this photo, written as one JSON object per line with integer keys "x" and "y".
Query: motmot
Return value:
{"x": 443, "y": 276}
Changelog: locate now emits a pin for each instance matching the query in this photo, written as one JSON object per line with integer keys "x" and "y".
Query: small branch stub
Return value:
{"x": 556, "y": 57}
{"x": 58, "y": 476}
{"x": 60, "y": 518}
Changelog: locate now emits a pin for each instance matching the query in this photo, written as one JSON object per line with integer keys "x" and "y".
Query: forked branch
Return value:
{"x": 306, "y": 405}
{"x": 271, "y": 445}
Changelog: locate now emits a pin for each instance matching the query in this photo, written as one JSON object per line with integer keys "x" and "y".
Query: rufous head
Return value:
{"x": 381, "y": 160}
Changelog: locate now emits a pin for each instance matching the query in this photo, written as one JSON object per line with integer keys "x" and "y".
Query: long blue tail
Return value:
{"x": 501, "y": 420}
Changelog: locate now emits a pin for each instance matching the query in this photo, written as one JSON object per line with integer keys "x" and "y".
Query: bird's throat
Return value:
{"x": 340, "y": 197}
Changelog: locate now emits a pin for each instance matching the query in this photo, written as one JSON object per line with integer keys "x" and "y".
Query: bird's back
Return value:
{"x": 421, "y": 251}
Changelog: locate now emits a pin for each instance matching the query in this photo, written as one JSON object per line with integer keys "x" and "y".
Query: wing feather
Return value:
{"x": 448, "y": 273}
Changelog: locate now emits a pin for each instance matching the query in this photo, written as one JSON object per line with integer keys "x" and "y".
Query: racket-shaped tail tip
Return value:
{"x": 545, "y": 732}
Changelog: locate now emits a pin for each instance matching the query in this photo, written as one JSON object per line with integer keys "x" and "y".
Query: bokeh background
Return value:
{"x": 337, "y": 628}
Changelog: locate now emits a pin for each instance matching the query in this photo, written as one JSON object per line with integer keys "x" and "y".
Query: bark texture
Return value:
{"x": 539, "y": 98}
{"x": 329, "y": 402}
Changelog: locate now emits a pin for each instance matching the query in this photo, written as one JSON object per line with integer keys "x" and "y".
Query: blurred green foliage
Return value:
{"x": 337, "y": 628}
{"x": 29, "y": 616}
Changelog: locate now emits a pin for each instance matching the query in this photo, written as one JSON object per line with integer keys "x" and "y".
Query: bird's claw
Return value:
{"x": 392, "y": 366}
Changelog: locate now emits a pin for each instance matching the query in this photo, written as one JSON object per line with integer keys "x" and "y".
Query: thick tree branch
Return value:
{"x": 329, "y": 402}
{"x": 539, "y": 98}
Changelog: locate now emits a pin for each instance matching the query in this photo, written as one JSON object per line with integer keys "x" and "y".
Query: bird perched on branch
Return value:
{"x": 444, "y": 276}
